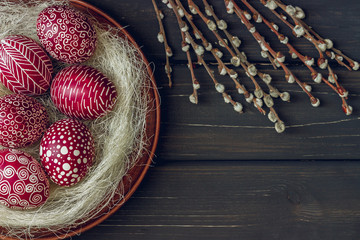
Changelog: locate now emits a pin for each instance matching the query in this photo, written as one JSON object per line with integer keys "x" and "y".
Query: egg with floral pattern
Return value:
{"x": 67, "y": 151}
{"x": 22, "y": 120}
{"x": 66, "y": 34}
{"x": 23, "y": 183}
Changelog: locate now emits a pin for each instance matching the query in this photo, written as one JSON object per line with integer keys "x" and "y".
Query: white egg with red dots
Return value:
{"x": 67, "y": 151}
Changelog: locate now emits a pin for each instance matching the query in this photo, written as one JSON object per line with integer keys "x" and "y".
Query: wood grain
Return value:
{"x": 210, "y": 180}
{"x": 241, "y": 200}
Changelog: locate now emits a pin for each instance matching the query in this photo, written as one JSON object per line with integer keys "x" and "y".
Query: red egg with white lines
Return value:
{"x": 23, "y": 183}
{"x": 24, "y": 66}
{"x": 83, "y": 92}
{"x": 67, "y": 151}
{"x": 66, "y": 34}
{"x": 22, "y": 120}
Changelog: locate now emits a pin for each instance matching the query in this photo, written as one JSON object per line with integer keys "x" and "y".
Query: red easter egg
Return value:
{"x": 83, "y": 92}
{"x": 24, "y": 66}
{"x": 66, "y": 34}
{"x": 67, "y": 151}
{"x": 22, "y": 120}
{"x": 23, "y": 183}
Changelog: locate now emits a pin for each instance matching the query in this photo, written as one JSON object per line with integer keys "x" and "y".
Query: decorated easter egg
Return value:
{"x": 83, "y": 92}
{"x": 67, "y": 151}
{"x": 24, "y": 66}
{"x": 66, "y": 34}
{"x": 22, "y": 120}
{"x": 23, "y": 183}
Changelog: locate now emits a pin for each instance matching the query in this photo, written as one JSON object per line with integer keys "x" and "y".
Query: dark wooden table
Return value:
{"x": 221, "y": 175}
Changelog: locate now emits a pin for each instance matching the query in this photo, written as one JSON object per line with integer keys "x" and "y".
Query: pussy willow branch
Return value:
{"x": 259, "y": 93}
{"x": 308, "y": 61}
{"x": 218, "y": 86}
{"x": 289, "y": 9}
{"x": 162, "y": 39}
{"x": 222, "y": 25}
{"x": 290, "y": 77}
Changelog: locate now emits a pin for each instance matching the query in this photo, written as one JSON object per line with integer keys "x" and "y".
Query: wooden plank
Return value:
{"x": 212, "y": 130}
{"x": 241, "y": 200}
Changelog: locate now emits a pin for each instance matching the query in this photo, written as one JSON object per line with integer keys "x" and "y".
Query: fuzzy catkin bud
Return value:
{"x": 300, "y": 14}
{"x": 208, "y": 11}
{"x": 247, "y": 15}
{"x": 290, "y": 78}
{"x": 196, "y": 85}
{"x": 315, "y": 102}
{"x": 238, "y": 107}
{"x": 222, "y": 25}
{"x": 219, "y": 87}
{"x": 160, "y": 37}
{"x": 185, "y": 47}
{"x": 199, "y": 50}
{"x": 193, "y": 99}
{"x": 252, "y": 70}
{"x": 258, "y": 93}
{"x": 229, "y": 7}
{"x": 317, "y": 78}
{"x": 233, "y": 74}
{"x": 272, "y": 117}
{"x": 208, "y": 47}
{"x": 258, "y": 102}
{"x": 308, "y": 87}
{"x": 222, "y": 70}
{"x": 235, "y": 61}
{"x": 285, "y": 96}
{"x": 266, "y": 78}
{"x": 192, "y": 10}
{"x": 264, "y": 54}
{"x": 250, "y": 98}
{"x": 269, "y": 102}
{"x": 290, "y": 10}
{"x": 241, "y": 90}
{"x": 257, "y": 18}
{"x": 271, "y": 4}
{"x": 332, "y": 79}
{"x": 184, "y": 27}
{"x": 211, "y": 25}
{"x": 309, "y": 61}
{"x": 279, "y": 126}
{"x": 329, "y": 43}
{"x": 181, "y": 12}
{"x": 223, "y": 43}
{"x": 236, "y": 41}
{"x": 299, "y": 31}
{"x": 284, "y": 40}
{"x": 227, "y": 98}
{"x": 218, "y": 53}
{"x": 355, "y": 66}
{"x": 322, "y": 63}
{"x": 322, "y": 46}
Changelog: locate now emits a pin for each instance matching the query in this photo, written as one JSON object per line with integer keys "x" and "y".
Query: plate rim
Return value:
{"x": 154, "y": 139}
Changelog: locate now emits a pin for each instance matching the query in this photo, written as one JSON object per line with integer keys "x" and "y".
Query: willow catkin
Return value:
{"x": 119, "y": 136}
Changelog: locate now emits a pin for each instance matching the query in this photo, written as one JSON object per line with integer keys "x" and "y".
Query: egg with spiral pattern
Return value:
{"x": 83, "y": 92}
{"x": 23, "y": 183}
{"x": 66, "y": 34}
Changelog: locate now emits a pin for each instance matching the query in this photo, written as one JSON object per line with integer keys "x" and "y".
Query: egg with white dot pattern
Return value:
{"x": 67, "y": 151}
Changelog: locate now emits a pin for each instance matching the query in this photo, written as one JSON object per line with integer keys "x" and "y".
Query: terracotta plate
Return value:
{"x": 136, "y": 174}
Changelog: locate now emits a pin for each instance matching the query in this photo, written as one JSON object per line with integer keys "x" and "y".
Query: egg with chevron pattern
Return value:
{"x": 25, "y": 67}
{"x": 83, "y": 92}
